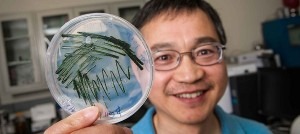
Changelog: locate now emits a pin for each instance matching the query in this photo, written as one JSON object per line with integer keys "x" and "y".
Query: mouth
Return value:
{"x": 190, "y": 95}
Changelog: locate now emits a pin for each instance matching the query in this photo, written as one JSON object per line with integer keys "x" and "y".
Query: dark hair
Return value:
{"x": 154, "y": 8}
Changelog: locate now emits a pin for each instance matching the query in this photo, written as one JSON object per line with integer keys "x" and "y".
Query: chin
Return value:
{"x": 193, "y": 117}
{"x": 193, "y": 120}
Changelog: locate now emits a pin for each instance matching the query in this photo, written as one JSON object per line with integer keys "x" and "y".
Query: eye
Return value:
{"x": 164, "y": 57}
{"x": 204, "y": 52}
{"x": 207, "y": 50}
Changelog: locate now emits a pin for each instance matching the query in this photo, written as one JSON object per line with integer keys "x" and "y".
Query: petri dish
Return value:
{"x": 99, "y": 59}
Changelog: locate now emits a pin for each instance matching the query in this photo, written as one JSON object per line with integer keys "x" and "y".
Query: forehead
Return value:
{"x": 179, "y": 30}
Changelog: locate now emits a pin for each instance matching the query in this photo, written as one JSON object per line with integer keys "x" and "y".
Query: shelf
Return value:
{"x": 51, "y": 31}
{"x": 16, "y": 63}
{"x": 16, "y": 38}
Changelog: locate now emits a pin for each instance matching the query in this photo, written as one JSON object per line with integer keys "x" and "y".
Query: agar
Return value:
{"x": 85, "y": 54}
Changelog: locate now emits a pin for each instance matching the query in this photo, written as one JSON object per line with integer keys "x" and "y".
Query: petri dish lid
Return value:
{"x": 99, "y": 59}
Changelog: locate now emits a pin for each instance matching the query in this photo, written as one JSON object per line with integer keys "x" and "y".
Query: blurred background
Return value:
{"x": 262, "y": 53}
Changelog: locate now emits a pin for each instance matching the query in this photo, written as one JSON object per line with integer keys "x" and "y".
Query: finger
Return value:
{"x": 78, "y": 120}
{"x": 104, "y": 129}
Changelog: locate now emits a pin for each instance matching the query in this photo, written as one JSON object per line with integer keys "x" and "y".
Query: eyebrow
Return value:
{"x": 198, "y": 41}
{"x": 163, "y": 45}
{"x": 205, "y": 39}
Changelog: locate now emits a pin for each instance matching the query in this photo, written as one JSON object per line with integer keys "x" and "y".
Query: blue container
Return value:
{"x": 283, "y": 36}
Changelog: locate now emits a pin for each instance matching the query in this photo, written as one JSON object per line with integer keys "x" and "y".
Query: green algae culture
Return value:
{"x": 99, "y": 59}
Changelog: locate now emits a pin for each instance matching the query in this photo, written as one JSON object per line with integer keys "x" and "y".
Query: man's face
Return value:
{"x": 188, "y": 93}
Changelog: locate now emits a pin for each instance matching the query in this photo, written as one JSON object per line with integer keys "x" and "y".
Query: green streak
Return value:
{"x": 83, "y": 58}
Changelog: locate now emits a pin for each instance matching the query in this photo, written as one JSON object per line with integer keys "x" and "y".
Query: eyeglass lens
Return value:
{"x": 204, "y": 55}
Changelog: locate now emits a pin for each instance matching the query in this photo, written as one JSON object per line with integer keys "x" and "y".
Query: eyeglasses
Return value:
{"x": 204, "y": 55}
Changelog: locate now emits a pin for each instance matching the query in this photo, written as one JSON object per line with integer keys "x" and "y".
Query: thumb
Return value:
{"x": 78, "y": 120}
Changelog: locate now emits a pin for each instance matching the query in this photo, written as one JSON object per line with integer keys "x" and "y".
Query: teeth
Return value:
{"x": 190, "y": 95}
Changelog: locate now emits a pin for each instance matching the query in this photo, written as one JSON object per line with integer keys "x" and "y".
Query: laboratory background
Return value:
{"x": 262, "y": 55}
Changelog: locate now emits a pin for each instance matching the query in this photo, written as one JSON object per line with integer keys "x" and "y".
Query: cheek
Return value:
{"x": 160, "y": 82}
{"x": 224, "y": 76}
{"x": 218, "y": 75}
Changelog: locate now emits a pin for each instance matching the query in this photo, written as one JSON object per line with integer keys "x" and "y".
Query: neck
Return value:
{"x": 165, "y": 125}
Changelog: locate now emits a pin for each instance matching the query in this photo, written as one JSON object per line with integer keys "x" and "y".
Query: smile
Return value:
{"x": 190, "y": 95}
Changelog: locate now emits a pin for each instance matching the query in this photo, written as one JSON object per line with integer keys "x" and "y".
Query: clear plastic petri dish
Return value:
{"x": 99, "y": 59}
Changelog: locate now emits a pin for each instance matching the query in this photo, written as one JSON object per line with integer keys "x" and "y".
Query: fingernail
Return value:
{"x": 90, "y": 112}
{"x": 127, "y": 130}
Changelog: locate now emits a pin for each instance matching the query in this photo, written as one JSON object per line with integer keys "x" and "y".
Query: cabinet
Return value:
{"x": 20, "y": 69}
{"x": 20, "y": 65}
{"x": 126, "y": 10}
{"x": 48, "y": 24}
{"x": 24, "y": 39}
{"x": 91, "y": 9}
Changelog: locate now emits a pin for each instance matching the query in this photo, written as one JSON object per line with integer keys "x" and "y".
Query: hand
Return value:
{"x": 82, "y": 122}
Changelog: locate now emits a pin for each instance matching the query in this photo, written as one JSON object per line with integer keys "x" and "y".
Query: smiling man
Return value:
{"x": 187, "y": 39}
{"x": 186, "y": 87}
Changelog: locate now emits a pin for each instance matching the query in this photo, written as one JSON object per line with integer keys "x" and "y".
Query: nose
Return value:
{"x": 188, "y": 71}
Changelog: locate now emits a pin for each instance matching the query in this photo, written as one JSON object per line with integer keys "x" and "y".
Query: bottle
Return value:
{"x": 10, "y": 127}
{"x": 20, "y": 123}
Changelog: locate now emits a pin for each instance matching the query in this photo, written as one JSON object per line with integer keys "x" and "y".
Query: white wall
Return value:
{"x": 242, "y": 21}
{"x": 242, "y": 18}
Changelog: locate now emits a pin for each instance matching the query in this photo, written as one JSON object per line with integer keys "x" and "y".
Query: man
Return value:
{"x": 187, "y": 39}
